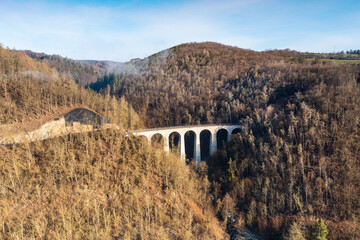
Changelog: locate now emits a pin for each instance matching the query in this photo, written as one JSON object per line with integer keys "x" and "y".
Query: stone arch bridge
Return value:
{"x": 206, "y": 132}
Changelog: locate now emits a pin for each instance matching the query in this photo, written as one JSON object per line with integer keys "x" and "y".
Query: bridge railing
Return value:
{"x": 189, "y": 126}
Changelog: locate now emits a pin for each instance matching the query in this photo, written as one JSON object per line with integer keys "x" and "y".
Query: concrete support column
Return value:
{"x": 166, "y": 143}
{"x": 229, "y": 135}
{"x": 182, "y": 146}
{"x": 197, "y": 147}
{"x": 213, "y": 143}
{"x": 149, "y": 138}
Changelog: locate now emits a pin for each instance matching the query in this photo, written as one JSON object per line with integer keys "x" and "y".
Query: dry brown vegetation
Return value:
{"x": 101, "y": 186}
{"x": 97, "y": 185}
{"x": 299, "y": 157}
{"x": 31, "y": 93}
{"x": 297, "y": 161}
{"x": 17, "y": 62}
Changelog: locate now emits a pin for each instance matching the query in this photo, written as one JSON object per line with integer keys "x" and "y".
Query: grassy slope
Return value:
{"x": 334, "y": 61}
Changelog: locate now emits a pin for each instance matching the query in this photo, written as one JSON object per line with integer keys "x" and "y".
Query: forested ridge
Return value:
{"x": 299, "y": 158}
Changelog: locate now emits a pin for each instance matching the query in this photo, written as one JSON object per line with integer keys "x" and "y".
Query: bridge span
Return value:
{"x": 211, "y": 130}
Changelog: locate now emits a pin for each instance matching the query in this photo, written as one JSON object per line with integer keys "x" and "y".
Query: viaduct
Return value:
{"x": 212, "y": 133}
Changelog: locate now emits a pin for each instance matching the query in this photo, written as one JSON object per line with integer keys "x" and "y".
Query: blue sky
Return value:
{"x": 122, "y": 30}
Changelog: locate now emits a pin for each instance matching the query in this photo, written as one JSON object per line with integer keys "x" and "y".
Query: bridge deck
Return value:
{"x": 188, "y": 126}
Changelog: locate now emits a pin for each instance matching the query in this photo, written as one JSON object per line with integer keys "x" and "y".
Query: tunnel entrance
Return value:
{"x": 84, "y": 116}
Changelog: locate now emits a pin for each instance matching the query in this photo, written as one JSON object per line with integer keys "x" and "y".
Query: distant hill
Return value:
{"x": 210, "y": 82}
{"x": 82, "y": 71}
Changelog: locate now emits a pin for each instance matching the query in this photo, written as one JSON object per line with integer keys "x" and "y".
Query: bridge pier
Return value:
{"x": 229, "y": 136}
{"x": 197, "y": 129}
{"x": 166, "y": 143}
{"x": 197, "y": 149}
{"x": 182, "y": 146}
{"x": 213, "y": 143}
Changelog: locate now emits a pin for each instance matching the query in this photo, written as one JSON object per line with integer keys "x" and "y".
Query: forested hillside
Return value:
{"x": 101, "y": 186}
{"x": 31, "y": 92}
{"x": 96, "y": 185}
{"x": 298, "y": 161}
{"x": 209, "y": 82}
{"x": 189, "y": 84}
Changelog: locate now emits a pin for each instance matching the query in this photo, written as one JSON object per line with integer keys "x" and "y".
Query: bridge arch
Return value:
{"x": 175, "y": 142}
{"x": 143, "y": 139}
{"x": 222, "y": 137}
{"x": 157, "y": 140}
{"x": 205, "y": 144}
{"x": 190, "y": 138}
{"x": 236, "y": 131}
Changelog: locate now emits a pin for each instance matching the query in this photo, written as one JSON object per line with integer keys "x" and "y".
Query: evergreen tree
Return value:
{"x": 319, "y": 231}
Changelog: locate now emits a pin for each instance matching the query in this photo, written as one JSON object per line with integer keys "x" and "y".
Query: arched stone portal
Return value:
{"x": 205, "y": 144}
